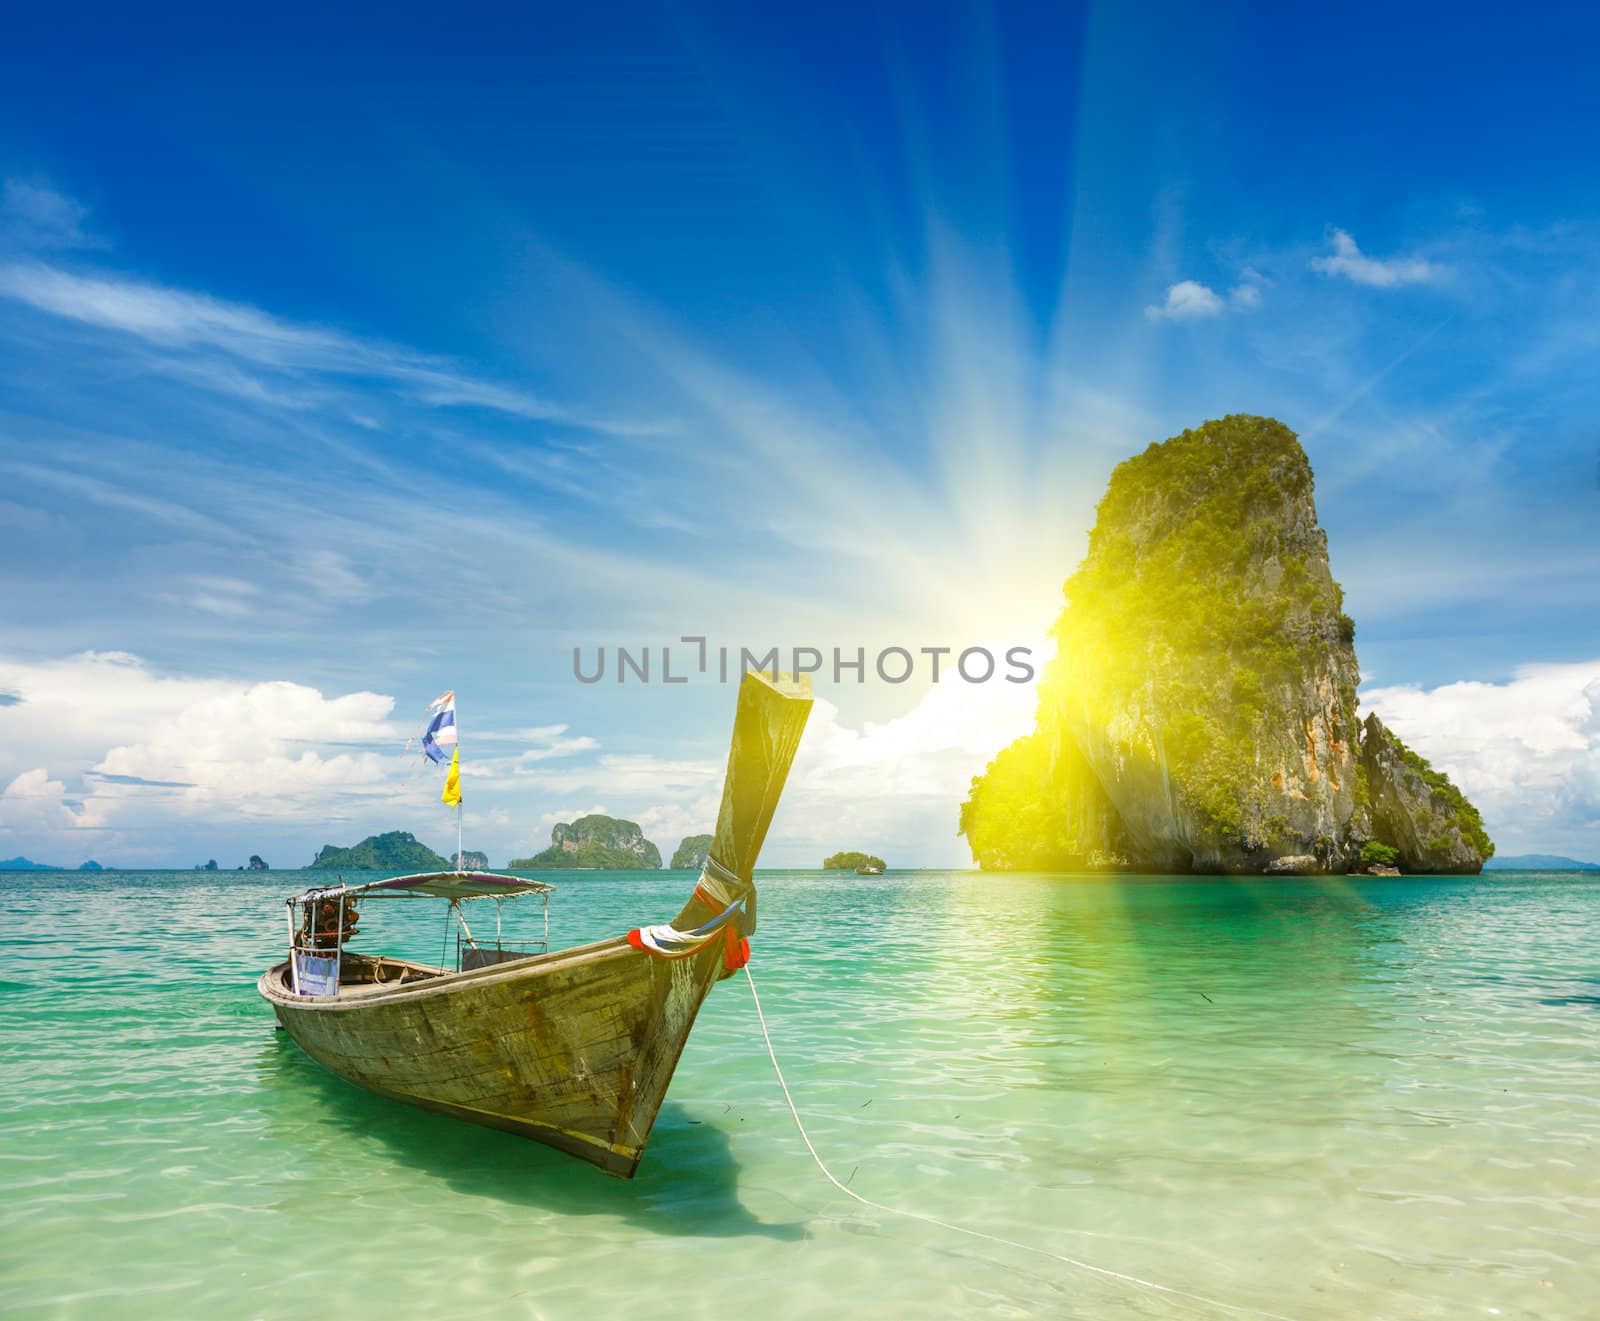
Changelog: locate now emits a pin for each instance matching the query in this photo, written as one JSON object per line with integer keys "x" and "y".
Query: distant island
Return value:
{"x": 27, "y": 864}
{"x": 1538, "y": 862}
{"x": 595, "y": 841}
{"x": 1200, "y": 715}
{"x": 472, "y": 860}
{"x": 851, "y": 861}
{"x": 257, "y": 863}
{"x": 397, "y": 850}
{"x": 691, "y": 855}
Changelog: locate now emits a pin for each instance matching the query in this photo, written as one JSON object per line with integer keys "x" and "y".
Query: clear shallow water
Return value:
{"x": 1321, "y": 1099}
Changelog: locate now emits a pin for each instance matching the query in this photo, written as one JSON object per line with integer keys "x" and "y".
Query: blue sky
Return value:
{"x": 346, "y": 357}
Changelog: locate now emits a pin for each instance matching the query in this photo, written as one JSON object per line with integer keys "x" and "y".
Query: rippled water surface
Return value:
{"x": 1314, "y": 1099}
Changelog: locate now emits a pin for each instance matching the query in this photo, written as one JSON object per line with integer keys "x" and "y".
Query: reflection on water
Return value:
{"x": 1318, "y": 1098}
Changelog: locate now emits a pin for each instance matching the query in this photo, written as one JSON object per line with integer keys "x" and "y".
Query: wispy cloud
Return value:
{"x": 234, "y": 338}
{"x": 1247, "y": 293}
{"x": 330, "y": 577}
{"x": 1349, "y": 261}
{"x": 113, "y": 495}
{"x": 34, "y": 215}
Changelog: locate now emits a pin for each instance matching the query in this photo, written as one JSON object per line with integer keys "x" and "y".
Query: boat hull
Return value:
{"x": 574, "y": 1050}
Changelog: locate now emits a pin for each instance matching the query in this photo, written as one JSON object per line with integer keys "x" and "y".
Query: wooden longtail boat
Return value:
{"x": 573, "y": 1049}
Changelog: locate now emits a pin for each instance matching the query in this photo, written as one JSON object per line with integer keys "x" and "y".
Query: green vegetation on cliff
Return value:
{"x": 595, "y": 841}
{"x": 1204, "y": 593}
{"x": 692, "y": 853}
{"x": 1200, "y": 714}
{"x": 1039, "y": 808}
{"x": 397, "y": 850}
{"x": 850, "y": 861}
{"x": 1463, "y": 814}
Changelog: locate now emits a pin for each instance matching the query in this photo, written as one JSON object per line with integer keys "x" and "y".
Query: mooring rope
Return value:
{"x": 962, "y": 1229}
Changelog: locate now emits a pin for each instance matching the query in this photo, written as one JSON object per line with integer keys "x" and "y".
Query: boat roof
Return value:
{"x": 440, "y": 885}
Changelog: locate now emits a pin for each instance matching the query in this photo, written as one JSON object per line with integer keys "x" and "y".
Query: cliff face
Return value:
{"x": 595, "y": 841}
{"x": 692, "y": 853}
{"x": 1201, "y": 712}
{"x": 1416, "y": 809}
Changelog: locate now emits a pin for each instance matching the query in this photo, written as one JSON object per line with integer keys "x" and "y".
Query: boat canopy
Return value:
{"x": 438, "y": 885}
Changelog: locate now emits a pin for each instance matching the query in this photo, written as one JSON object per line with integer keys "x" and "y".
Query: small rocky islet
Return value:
{"x": 692, "y": 853}
{"x": 594, "y": 841}
{"x": 1201, "y": 713}
{"x": 591, "y": 842}
{"x": 850, "y": 860}
{"x": 395, "y": 850}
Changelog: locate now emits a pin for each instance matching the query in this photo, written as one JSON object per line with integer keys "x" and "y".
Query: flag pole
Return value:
{"x": 460, "y": 805}
{"x": 444, "y": 708}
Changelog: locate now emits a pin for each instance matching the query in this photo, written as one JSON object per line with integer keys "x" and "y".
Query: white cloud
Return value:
{"x": 167, "y": 760}
{"x": 1348, "y": 260}
{"x": 1526, "y": 752}
{"x": 158, "y": 752}
{"x": 33, "y": 805}
{"x": 1188, "y": 300}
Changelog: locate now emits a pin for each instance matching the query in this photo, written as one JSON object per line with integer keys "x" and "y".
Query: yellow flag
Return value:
{"x": 452, "y": 782}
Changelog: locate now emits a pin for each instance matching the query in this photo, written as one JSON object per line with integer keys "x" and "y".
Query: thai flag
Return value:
{"x": 440, "y": 737}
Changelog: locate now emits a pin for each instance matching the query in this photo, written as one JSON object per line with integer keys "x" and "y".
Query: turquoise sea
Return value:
{"x": 1316, "y": 1099}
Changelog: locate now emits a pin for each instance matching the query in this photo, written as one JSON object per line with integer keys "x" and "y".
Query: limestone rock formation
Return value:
{"x": 595, "y": 841}
{"x": 692, "y": 853}
{"x": 1201, "y": 713}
